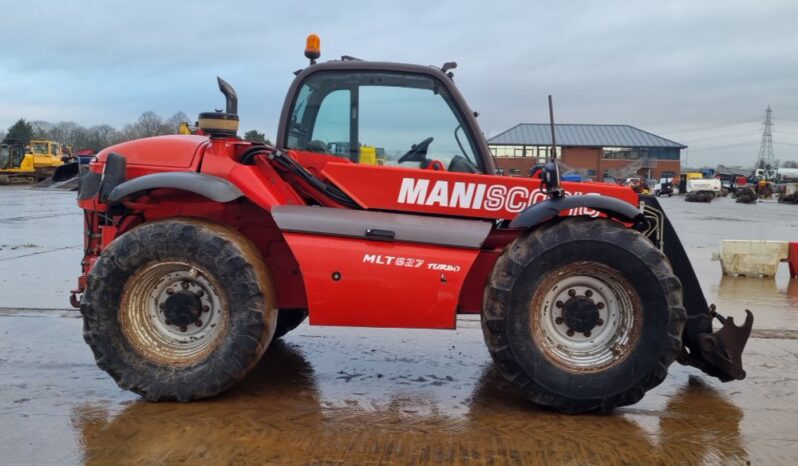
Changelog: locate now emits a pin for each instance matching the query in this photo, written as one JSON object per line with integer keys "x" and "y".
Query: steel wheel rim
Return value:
{"x": 149, "y": 299}
{"x": 563, "y": 338}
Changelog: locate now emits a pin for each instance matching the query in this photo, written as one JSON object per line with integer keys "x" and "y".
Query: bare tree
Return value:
{"x": 41, "y": 129}
{"x": 102, "y": 136}
{"x": 66, "y": 132}
{"x": 149, "y": 124}
{"x": 172, "y": 124}
{"x": 97, "y": 137}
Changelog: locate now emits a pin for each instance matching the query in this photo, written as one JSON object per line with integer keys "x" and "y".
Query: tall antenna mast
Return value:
{"x": 765, "y": 160}
{"x": 550, "y": 181}
{"x": 551, "y": 125}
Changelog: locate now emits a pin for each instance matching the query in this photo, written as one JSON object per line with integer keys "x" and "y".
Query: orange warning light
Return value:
{"x": 313, "y": 47}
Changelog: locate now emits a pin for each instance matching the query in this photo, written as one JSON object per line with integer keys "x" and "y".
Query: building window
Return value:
{"x": 624, "y": 153}
{"x": 664, "y": 153}
{"x": 544, "y": 153}
{"x": 540, "y": 153}
{"x": 635, "y": 153}
{"x": 507, "y": 151}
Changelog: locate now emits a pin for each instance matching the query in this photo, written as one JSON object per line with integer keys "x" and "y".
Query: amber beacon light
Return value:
{"x": 313, "y": 48}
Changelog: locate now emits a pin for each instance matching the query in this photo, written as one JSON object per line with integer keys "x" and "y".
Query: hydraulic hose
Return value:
{"x": 295, "y": 168}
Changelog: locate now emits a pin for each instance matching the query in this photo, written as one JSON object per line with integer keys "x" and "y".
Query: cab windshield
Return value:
{"x": 381, "y": 118}
{"x": 39, "y": 148}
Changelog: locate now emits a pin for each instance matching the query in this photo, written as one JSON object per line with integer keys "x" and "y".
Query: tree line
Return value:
{"x": 97, "y": 137}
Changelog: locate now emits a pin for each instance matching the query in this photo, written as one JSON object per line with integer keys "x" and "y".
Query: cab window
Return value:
{"x": 392, "y": 119}
{"x": 40, "y": 148}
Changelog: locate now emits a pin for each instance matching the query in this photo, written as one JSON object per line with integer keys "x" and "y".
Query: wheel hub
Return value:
{"x": 585, "y": 317}
{"x": 182, "y": 308}
{"x": 580, "y": 314}
{"x": 173, "y": 313}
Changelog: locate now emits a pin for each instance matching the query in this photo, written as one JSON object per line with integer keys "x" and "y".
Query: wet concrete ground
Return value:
{"x": 374, "y": 396}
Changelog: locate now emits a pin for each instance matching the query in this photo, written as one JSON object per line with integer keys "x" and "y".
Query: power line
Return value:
{"x": 727, "y": 146}
{"x": 714, "y": 126}
{"x": 724, "y": 136}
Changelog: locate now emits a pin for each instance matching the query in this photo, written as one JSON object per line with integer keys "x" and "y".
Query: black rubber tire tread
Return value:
{"x": 289, "y": 319}
{"x": 524, "y": 254}
{"x": 235, "y": 263}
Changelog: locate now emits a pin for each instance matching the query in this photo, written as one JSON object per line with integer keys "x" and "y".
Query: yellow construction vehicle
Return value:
{"x": 185, "y": 128}
{"x": 28, "y": 164}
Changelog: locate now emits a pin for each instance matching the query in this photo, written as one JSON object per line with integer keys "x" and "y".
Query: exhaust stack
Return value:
{"x": 229, "y": 94}
{"x": 220, "y": 124}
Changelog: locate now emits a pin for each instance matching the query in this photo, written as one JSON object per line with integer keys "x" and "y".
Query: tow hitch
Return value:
{"x": 721, "y": 351}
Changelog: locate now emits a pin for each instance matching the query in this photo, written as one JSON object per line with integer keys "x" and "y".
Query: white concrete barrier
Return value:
{"x": 752, "y": 258}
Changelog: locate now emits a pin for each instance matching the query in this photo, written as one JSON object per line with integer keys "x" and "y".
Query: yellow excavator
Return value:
{"x": 34, "y": 163}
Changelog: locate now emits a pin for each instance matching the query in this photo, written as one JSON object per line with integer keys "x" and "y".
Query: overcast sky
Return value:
{"x": 698, "y": 72}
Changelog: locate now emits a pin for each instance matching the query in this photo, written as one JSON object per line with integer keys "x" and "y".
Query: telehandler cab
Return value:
{"x": 379, "y": 206}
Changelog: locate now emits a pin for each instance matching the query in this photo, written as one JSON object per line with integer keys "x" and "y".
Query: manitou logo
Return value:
{"x": 463, "y": 195}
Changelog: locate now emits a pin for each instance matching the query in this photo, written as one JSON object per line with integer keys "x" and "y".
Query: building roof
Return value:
{"x": 539, "y": 134}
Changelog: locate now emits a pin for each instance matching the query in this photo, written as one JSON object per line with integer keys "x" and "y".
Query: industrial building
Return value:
{"x": 594, "y": 151}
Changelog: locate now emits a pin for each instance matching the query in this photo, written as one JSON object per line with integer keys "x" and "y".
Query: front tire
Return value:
{"x": 583, "y": 315}
{"x": 178, "y": 309}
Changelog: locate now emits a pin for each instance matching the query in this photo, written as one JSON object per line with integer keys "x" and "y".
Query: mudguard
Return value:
{"x": 542, "y": 211}
{"x": 212, "y": 187}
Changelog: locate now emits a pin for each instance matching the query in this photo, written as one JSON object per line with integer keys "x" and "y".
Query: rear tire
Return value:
{"x": 583, "y": 315}
{"x": 178, "y": 309}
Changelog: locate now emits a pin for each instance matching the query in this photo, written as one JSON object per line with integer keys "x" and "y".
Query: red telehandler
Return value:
{"x": 379, "y": 206}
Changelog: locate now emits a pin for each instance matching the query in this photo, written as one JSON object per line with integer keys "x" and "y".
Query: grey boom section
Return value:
{"x": 382, "y": 226}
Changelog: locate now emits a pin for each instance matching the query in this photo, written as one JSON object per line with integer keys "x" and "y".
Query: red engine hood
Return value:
{"x": 173, "y": 152}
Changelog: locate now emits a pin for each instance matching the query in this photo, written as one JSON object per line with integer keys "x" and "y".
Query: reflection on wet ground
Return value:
{"x": 775, "y": 306}
{"x": 374, "y": 396}
{"x": 278, "y": 416}
{"x": 371, "y": 396}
